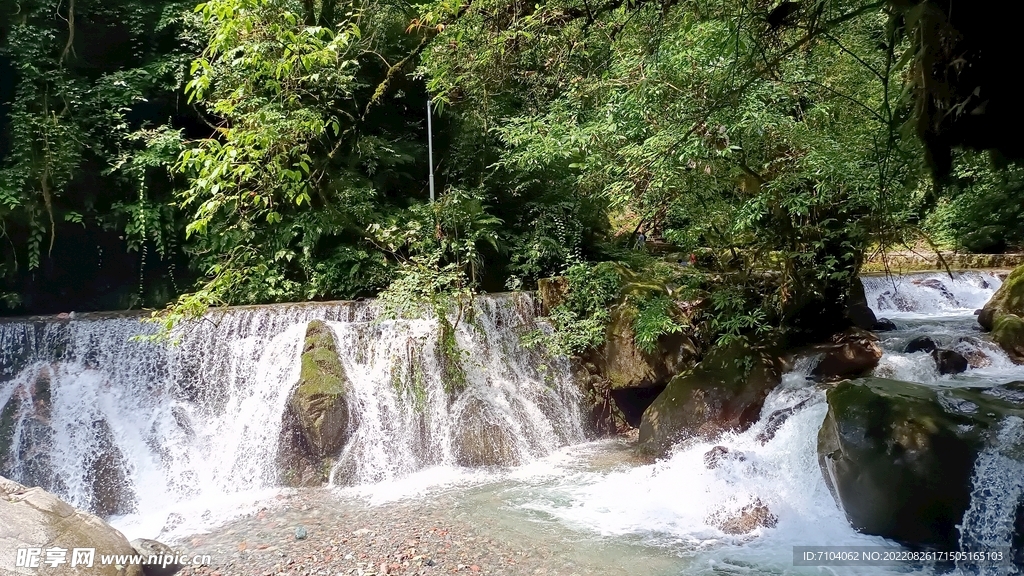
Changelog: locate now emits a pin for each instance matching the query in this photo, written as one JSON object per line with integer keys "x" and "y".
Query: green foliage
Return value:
{"x": 439, "y": 249}
{"x": 80, "y": 158}
{"x": 655, "y": 317}
{"x": 980, "y": 210}
{"x": 581, "y": 319}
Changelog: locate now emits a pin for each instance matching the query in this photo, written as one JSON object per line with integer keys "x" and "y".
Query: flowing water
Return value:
{"x": 196, "y": 427}
{"x": 171, "y": 439}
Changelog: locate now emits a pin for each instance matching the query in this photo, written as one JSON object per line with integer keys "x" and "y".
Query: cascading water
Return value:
{"x": 167, "y": 438}
{"x": 196, "y": 426}
{"x": 679, "y": 503}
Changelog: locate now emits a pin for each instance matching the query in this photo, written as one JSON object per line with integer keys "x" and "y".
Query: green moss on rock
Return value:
{"x": 1002, "y": 315}
{"x": 1009, "y": 299}
{"x": 318, "y": 401}
{"x": 898, "y": 459}
{"x": 725, "y": 392}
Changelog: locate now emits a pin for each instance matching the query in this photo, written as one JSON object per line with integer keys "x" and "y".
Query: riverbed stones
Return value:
{"x": 154, "y": 555}
{"x": 950, "y": 361}
{"x": 725, "y": 392}
{"x": 898, "y": 457}
{"x": 34, "y": 518}
{"x": 851, "y": 353}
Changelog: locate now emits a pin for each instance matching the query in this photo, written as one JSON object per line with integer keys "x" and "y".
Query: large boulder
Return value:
{"x": 319, "y": 399}
{"x": 899, "y": 457}
{"x": 725, "y": 392}
{"x": 853, "y": 352}
{"x": 627, "y": 378}
{"x": 160, "y": 553}
{"x": 625, "y": 365}
{"x": 1008, "y": 332}
{"x": 1009, "y": 299}
{"x": 316, "y": 420}
{"x": 34, "y": 518}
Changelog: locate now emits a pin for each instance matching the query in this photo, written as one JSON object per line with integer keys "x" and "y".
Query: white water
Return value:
{"x": 194, "y": 428}
{"x": 656, "y": 518}
{"x": 673, "y": 504}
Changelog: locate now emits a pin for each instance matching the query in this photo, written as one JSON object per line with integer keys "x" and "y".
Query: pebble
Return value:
{"x": 405, "y": 538}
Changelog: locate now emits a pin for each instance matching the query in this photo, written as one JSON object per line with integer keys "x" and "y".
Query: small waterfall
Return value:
{"x": 930, "y": 293}
{"x": 157, "y": 436}
{"x": 517, "y": 404}
{"x": 996, "y": 499}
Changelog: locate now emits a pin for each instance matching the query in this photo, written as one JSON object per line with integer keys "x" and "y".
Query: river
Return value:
{"x": 195, "y": 429}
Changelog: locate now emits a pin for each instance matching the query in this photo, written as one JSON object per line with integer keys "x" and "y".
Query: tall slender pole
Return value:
{"x": 430, "y": 150}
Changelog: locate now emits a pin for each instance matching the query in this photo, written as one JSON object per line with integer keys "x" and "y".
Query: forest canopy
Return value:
{"x": 159, "y": 152}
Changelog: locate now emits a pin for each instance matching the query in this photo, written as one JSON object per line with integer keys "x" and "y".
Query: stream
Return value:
{"x": 195, "y": 428}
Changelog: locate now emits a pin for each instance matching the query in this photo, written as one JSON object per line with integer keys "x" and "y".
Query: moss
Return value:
{"x": 1008, "y": 332}
{"x": 321, "y": 371}
{"x": 319, "y": 398}
{"x": 408, "y": 379}
{"x": 453, "y": 373}
{"x": 725, "y": 392}
{"x": 1009, "y": 299}
{"x": 899, "y": 456}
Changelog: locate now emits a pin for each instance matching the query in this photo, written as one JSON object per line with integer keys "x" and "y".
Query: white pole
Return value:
{"x": 430, "y": 150}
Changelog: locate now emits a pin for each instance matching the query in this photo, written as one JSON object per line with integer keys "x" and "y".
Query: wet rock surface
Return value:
{"x": 316, "y": 420}
{"x": 851, "y": 353}
{"x": 950, "y": 361}
{"x": 725, "y": 392}
{"x": 751, "y": 517}
{"x": 920, "y": 344}
{"x": 899, "y": 457}
{"x": 884, "y": 325}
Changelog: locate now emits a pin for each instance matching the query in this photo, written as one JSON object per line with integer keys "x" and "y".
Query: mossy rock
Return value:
{"x": 318, "y": 402}
{"x": 1009, "y": 299}
{"x": 625, "y": 365}
{"x": 899, "y": 460}
{"x": 724, "y": 393}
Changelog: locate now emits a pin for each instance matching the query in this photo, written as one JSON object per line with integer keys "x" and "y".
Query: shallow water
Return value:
{"x": 593, "y": 507}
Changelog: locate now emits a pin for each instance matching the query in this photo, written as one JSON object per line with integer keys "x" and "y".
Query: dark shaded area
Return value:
{"x": 91, "y": 265}
{"x": 967, "y": 94}
{"x": 632, "y": 402}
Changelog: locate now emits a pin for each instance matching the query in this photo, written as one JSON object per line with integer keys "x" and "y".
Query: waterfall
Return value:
{"x": 156, "y": 435}
{"x": 930, "y": 293}
{"x": 998, "y": 494}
